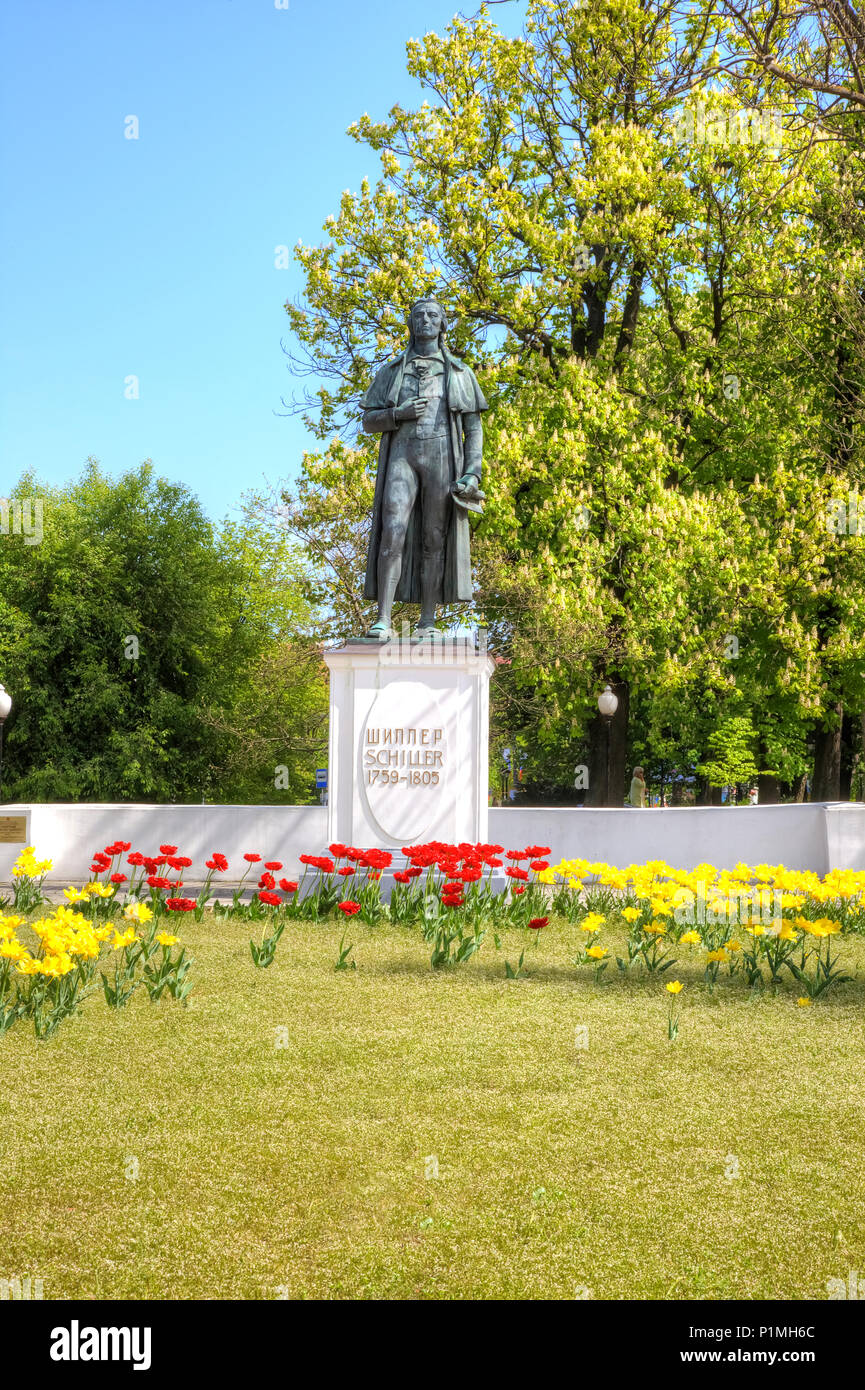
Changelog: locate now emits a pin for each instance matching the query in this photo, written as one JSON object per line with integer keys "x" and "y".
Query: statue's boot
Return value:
{"x": 380, "y": 631}
{"x": 427, "y": 632}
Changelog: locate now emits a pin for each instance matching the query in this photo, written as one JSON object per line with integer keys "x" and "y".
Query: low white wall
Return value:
{"x": 71, "y": 834}
{"x": 818, "y": 836}
{"x": 813, "y": 836}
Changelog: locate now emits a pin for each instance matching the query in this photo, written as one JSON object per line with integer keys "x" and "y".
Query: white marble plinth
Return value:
{"x": 409, "y": 732}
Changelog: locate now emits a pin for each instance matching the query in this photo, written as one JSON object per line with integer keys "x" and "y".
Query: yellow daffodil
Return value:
{"x": 690, "y": 938}
{"x": 166, "y": 939}
{"x": 675, "y": 987}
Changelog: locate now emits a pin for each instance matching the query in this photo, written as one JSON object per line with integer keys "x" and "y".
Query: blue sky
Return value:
{"x": 155, "y": 257}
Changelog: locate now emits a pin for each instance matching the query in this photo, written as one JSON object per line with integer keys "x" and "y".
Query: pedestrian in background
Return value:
{"x": 638, "y": 788}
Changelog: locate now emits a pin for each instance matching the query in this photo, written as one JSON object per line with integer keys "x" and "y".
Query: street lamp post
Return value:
{"x": 5, "y": 707}
{"x": 608, "y": 703}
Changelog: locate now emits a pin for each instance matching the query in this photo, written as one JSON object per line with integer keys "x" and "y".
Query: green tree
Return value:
{"x": 128, "y": 633}
{"x": 634, "y": 299}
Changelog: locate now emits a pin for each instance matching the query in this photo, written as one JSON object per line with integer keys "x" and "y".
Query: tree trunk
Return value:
{"x": 709, "y": 795}
{"x": 826, "y": 785}
{"x": 768, "y": 790}
{"x": 849, "y": 742}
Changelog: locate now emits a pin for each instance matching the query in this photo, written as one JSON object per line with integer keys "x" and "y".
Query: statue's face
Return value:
{"x": 426, "y": 319}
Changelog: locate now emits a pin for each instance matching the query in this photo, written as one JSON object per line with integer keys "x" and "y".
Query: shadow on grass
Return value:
{"x": 630, "y": 984}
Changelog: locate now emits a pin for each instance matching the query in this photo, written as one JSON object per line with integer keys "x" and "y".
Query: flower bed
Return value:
{"x": 764, "y": 926}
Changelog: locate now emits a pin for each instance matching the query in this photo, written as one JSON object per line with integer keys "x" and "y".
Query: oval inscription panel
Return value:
{"x": 404, "y": 760}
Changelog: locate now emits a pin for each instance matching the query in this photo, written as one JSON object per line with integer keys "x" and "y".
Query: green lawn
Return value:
{"x": 299, "y": 1170}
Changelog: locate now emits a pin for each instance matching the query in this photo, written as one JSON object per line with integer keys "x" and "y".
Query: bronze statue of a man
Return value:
{"x": 427, "y": 407}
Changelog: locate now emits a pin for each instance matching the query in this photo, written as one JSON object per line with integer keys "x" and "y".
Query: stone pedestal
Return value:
{"x": 409, "y": 734}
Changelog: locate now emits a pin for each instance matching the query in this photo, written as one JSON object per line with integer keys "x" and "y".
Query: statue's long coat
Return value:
{"x": 465, "y": 402}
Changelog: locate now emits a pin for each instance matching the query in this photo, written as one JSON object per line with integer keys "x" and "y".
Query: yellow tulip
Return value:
{"x": 137, "y": 912}
{"x": 27, "y": 965}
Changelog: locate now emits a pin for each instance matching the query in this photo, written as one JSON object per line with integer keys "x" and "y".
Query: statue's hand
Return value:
{"x": 467, "y": 486}
{"x": 412, "y": 410}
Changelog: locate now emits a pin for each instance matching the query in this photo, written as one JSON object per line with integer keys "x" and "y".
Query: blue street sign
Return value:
{"x": 321, "y": 777}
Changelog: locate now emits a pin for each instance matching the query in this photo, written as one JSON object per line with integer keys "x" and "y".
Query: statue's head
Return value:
{"x": 427, "y": 320}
